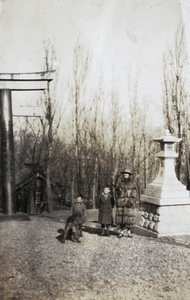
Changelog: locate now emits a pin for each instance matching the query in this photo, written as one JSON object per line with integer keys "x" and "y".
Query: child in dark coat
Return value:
{"x": 78, "y": 210}
{"x": 105, "y": 203}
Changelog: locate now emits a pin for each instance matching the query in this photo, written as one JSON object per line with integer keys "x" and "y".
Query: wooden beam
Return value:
{"x": 25, "y": 81}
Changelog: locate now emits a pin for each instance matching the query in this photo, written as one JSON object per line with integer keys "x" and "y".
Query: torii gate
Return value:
{"x": 14, "y": 82}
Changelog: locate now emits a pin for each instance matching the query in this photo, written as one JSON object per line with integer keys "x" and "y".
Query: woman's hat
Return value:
{"x": 127, "y": 171}
{"x": 79, "y": 195}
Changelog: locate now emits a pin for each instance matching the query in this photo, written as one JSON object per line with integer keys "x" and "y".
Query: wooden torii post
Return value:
{"x": 14, "y": 82}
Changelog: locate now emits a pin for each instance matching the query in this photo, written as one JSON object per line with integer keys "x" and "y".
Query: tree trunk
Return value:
{"x": 48, "y": 187}
{"x": 73, "y": 184}
{"x": 94, "y": 188}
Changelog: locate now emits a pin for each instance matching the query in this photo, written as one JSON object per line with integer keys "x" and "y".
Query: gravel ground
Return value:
{"x": 36, "y": 266}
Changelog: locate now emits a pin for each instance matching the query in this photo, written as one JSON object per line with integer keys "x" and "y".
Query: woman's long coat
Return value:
{"x": 126, "y": 191}
{"x": 105, "y": 209}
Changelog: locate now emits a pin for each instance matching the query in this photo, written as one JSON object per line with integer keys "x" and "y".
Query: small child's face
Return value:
{"x": 106, "y": 190}
{"x": 79, "y": 199}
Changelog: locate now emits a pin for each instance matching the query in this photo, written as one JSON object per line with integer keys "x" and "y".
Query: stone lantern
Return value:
{"x": 166, "y": 202}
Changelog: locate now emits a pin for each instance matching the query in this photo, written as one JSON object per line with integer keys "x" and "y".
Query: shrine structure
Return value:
{"x": 14, "y": 82}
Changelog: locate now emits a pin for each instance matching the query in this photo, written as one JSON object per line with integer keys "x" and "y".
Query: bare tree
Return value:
{"x": 96, "y": 136}
{"x": 80, "y": 70}
{"x": 50, "y": 123}
{"x": 116, "y": 136}
{"x": 94, "y": 141}
{"x": 175, "y": 108}
{"x": 139, "y": 137}
{"x": 29, "y": 158}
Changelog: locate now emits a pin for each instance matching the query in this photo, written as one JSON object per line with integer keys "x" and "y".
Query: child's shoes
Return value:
{"x": 130, "y": 234}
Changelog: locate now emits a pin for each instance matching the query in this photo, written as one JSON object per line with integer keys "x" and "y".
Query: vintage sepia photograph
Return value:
{"x": 95, "y": 150}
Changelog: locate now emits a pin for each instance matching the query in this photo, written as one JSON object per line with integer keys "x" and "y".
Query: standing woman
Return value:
{"x": 125, "y": 203}
{"x": 105, "y": 203}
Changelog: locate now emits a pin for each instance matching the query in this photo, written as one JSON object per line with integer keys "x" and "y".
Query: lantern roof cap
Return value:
{"x": 167, "y": 138}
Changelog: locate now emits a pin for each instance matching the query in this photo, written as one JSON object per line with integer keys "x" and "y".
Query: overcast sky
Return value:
{"x": 123, "y": 36}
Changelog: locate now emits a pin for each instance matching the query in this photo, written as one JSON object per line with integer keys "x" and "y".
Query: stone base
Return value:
{"x": 145, "y": 232}
{"x": 14, "y": 217}
{"x": 164, "y": 220}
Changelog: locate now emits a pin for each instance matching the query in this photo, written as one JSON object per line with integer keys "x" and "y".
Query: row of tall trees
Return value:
{"x": 99, "y": 137}
{"x": 96, "y": 158}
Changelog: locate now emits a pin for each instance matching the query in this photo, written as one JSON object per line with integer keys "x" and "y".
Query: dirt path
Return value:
{"x": 36, "y": 266}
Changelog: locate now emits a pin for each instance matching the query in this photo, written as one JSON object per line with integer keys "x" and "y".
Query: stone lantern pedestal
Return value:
{"x": 166, "y": 201}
